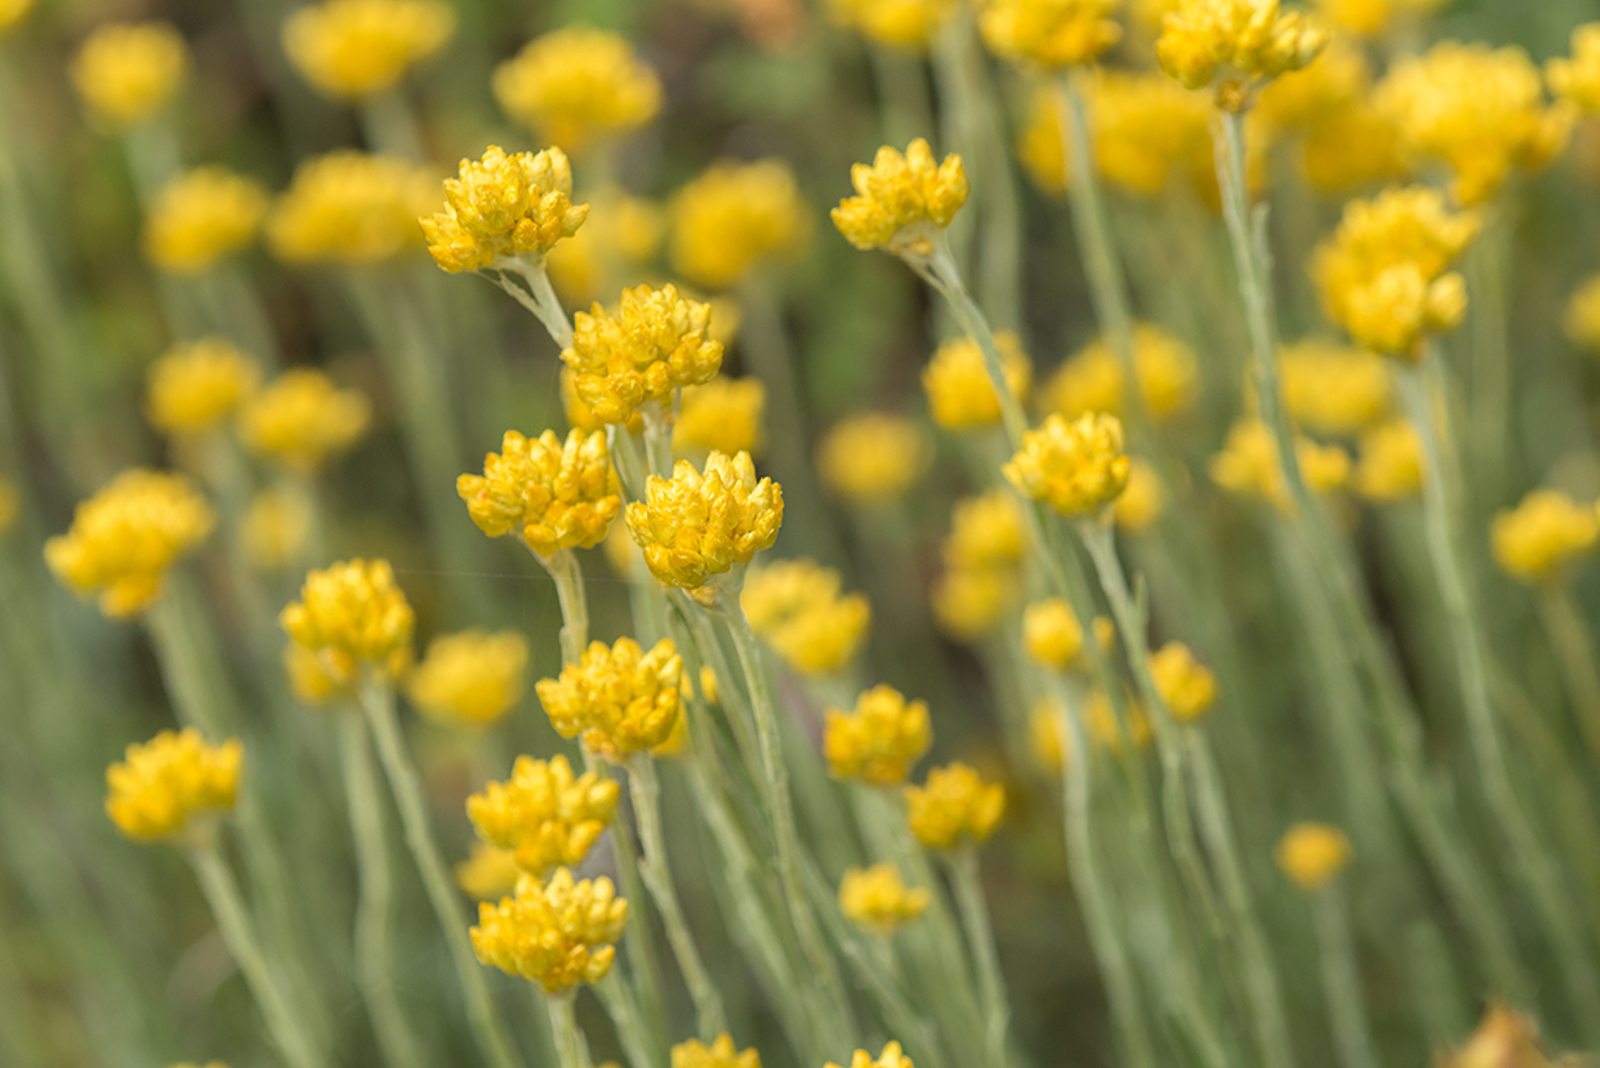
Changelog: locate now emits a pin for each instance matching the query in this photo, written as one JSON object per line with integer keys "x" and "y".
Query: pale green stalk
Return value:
{"x": 902, "y": 87}
{"x": 539, "y": 297}
{"x": 564, "y": 1023}
{"x": 622, "y": 1005}
{"x": 940, "y": 272}
{"x": 968, "y": 886}
{"x": 390, "y": 126}
{"x": 1575, "y": 646}
{"x": 568, "y": 578}
{"x": 1336, "y": 949}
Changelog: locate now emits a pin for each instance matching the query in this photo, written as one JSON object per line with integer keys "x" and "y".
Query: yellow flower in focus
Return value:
{"x": 903, "y": 24}
{"x": 879, "y": 740}
{"x": 1049, "y": 33}
{"x": 10, "y": 504}
{"x": 1334, "y": 389}
{"x": 354, "y": 618}
{"x": 891, "y": 1057}
{"x": 276, "y": 528}
{"x": 164, "y": 788}
{"x": 960, "y": 393}
{"x": 194, "y": 387}
{"x": 558, "y": 935}
{"x": 309, "y": 680}
{"x": 1248, "y": 465}
{"x": 503, "y": 206}
{"x": 354, "y": 49}
{"x": 202, "y": 216}
{"x": 301, "y": 418}
{"x": 577, "y": 86}
{"x": 878, "y": 900}
{"x": 12, "y": 12}
{"x": 1578, "y": 79}
{"x": 620, "y": 698}
{"x": 1582, "y": 320}
{"x": 724, "y": 415}
{"x": 1051, "y": 634}
{"x": 1392, "y": 464}
{"x": 797, "y": 607}
{"x": 488, "y": 873}
{"x": 553, "y": 495}
{"x": 986, "y": 531}
{"x": 126, "y": 72}
{"x": 1312, "y": 854}
{"x": 1187, "y": 687}
{"x": 722, "y": 1053}
{"x": 1539, "y": 540}
{"x": 1141, "y": 501}
{"x": 1076, "y": 467}
{"x": 733, "y": 217}
{"x": 124, "y": 538}
{"x": 620, "y": 234}
{"x": 349, "y": 208}
{"x": 470, "y": 679}
{"x": 1234, "y": 45}
{"x": 969, "y": 602}
{"x": 547, "y": 816}
{"x": 902, "y": 202}
{"x": 1092, "y": 380}
{"x": 955, "y": 807}
{"x": 873, "y": 458}
{"x": 696, "y": 525}
{"x": 656, "y": 342}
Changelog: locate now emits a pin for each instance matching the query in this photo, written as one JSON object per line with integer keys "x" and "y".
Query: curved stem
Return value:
{"x": 564, "y": 1023}
{"x": 965, "y": 880}
{"x": 1351, "y": 1035}
{"x": 568, "y": 577}
{"x": 940, "y": 272}
{"x": 539, "y": 298}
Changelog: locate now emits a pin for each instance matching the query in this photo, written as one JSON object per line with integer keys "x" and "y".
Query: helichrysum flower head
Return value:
{"x": 1248, "y": 465}
{"x": 1334, "y": 389}
{"x": 547, "y": 816}
{"x": 733, "y": 217}
{"x": 955, "y": 807}
{"x": 902, "y": 202}
{"x": 1187, "y": 687}
{"x": 699, "y": 524}
{"x": 558, "y": 934}
{"x": 1541, "y": 539}
{"x": 164, "y": 788}
{"x": 891, "y": 1057}
{"x": 1051, "y": 633}
{"x": 1092, "y": 379}
{"x": 577, "y": 86}
{"x": 1313, "y": 854}
{"x": 488, "y": 874}
{"x": 724, "y": 415}
{"x": 900, "y": 24}
{"x": 986, "y": 531}
{"x": 1141, "y": 500}
{"x": 722, "y": 1053}
{"x": 970, "y": 602}
{"x": 1076, "y": 467}
{"x": 620, "y": 232}
{"x": 657, "y": 341}
{"x": 310, "y": 681}
{"x": 1578, "y": 79}
{"x": 1234, "y": 45}
{"x": 1385, "y": 273}
{"x": 619, "y": 697}
{"x": 353, "y": 49}
{"x": 1391, "y": 464}
{"x": 1582, "y": 320}
{"x": 354, "y": 618}
{"x": 126, "y": 72}
{"x": 1049, "y": 33}
{"x": 125, "y": 537}
{"x": 878, "y": 742}
{"x": 798, "y": 608}
{"x": 553, "y": 495}
{"x": 195, "y": 387}
{"x": 503, "y": 205}
{"x": 877, "y": 899}
{"x": 349, "y": 208}
{"x": 873, "y": 458}
{"x": 470, "y": 679}
{"x": 301, "y": 418}
{"x": 202, "y": 216}
{"x": 960, "y": 394}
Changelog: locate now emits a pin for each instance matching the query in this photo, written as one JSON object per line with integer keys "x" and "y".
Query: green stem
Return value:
{"x": 968, "y": 886}
{"x": 623, "y": 1008}
{"x": 568, "y": 576}
{"x": 564, "y": 1022}
{"x": 1575, "y": 645}
{"x": 1351, "y": 1035}
{"x": 539, "y": 297}
{"x": 940, "y": 272}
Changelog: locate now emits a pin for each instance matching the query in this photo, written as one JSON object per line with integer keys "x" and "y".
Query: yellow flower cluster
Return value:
{"x": 873, "y": 458}
{"x": 349, "y": 208}
{"x": 878, "y": 742}
{"x": 577, "y": 86}
{"x": 1051, "y": 633}
{"x": 733, "y": 217}
{"x": 126, "y": 72}
{"x": 656, "y": 342}
{"x": 558, "y": 935}
{"x": 193, "y": 388}
{"x": 202, "y": 216}
{"x": 1384, "y": 274}
{"x": 488, "y": 873}
{"x": 877, "y": 899}
{"x": 969, "y": 602}
{"x": 960, "y": 393}
{"x": 1248, "y": 465}
{"x": 553, "y": 495}
{"x": 797, "y": 607}
{"x": 547, "y": 816}
{"x": 1312, "y": 854}
{"x": 124, "y": 538}
{"x": 982, "y": 557}
{"x": 620, "y": 698}
{"x": 1187, "y": 687}
{"x": 1234, "y": 45}
{"x": 1049, "y": 33}
{"x": 1582, "y": 319}
{"x": 902, "y": 24}
{"x": 902, "y": 202}
{"x": 620, "y": 232}
{"x": 724, "y": 415}
{"x": 353, "y": 49}
{"x": 1092, "y": 379}
{"x": 1334, "y": 389}
{"x": 696, "y": 525}
{"x": 301, "y": 418}
{"x": 162, "y": 789}
{"x": 1334, "y": 80}
{"x": 722, "y": 1053}
{"x": 503, "y": 205}
{"x": 1578, "y": 79}
{"x": 470, "y": 679}
{"x": 955, "y": 807}
{"x": 309, "y": 680}
{"x": 1480, "y": 111}
{"x": 1540, "y": 539}
{"x": 1391, "y": 465}
{"x": 1076, "y": 467}
{"x": 891, "y": 1057}
{"x": 353, "y": 618}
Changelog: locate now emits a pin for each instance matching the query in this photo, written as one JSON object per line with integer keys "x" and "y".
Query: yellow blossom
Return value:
{"x": 1582, "y": 320}
{"x": 470, "y": 679}
{"x": 879, "y": 740}
{"x": 1051, "y": 633}
{"x": 488, "y": 873}
{"x": 902, "y": 202}
{"x": 722, "y": 1053}
{"x": 553, "y": 495}
{"x": 276, "y": 527}
{"x": 656, "y": 342}
{"x": 1540, "y": 540}
{"x": 354, "y": 49}
{"x": 1334, "y": 389}
{"x": 1578, "y": 79}
{"x": 873, "y": 458}
{"x": 10, "y": 504}
{"x": 558, "y": 935}
{"x": 969, "y": 602}
{"x": 1142, "y": 500}
{"x": 891, "y": 1057}
{"x": 986, "y": 531}
{"x": 1049, "y": 33}
{"x": 126, "y": 72}
{"x": 1505, "y": 1039}
{"x": 301, "y": 418}
{"x": 503, "y": 206}
{"x": 1312, "y": 854}
{"x": 1076, "y": 467}
{"x": 354, "y": 618}
{"x": 1041, "y": 148}
{"x": 954, "y": 807}
{"x": 166, "y": 787}
{"x": 577, "y": 86}
{"x": 1353, "y": 147}
{"x": 13, "y": 11}
{"x": 310, "y": 681}
{"x": 1248, "y": 465}
{"x": 621, "y": 233}
{"x": 1187, "y": 687}
{"x": 1391, "y": 464}
{"x": 349, "y": 208}
{"x": 1334, "y": 80}
{"x": 960, "y": 393}
{"x": 696, "y": 525}
{"x": 797, "y": 607}
{"x": 194, "y": 387}
{"x": 547, "y": 816}
{"x": 901, "y": 24}
{"x": 620, "y": 698}
{"x": 877, "y": 899}
{"x": 724, "y": 415}
{"x": 1092, "y": 380}
{"x": 733, "y": 217}
{"x": 1234, "y": 45}
{"x": 124, "y": 538}
{"x": 202, "y": 216}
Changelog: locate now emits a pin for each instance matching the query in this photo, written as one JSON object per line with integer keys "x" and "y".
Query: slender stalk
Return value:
{"x": 1351, "y": 1035}
{"x": 902, "y": 90}
{"x": 618, "y": 998}
{"x": 568, "y": 577}
{"x": 940, "y": 272}
{"x": 564, "y": 1023}
{"x": 539, "y": 297}
{"x": 390, "y": 127}
{"x": 1575, "y": 645}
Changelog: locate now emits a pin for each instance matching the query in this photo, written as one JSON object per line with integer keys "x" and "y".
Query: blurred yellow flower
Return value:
{"x": 1312, "y": 854}
{"x": 722, "y": 1053}
{"x": 891, "y": 1057}
{"x": 620, "y": 698}
{"x": 558, "y": 935}
{"x": 1334, "y": 389}
{"x": 1392, "y": 464}
{"x": 1541, "y": 539}
{"x": 1141, "y": 500}
{"x": 301, "y": 418}
{"x": 620, "y": 234}
{"x": 1578, "y": 79}
{"x": 724, "y": 415}
{"x": 1337, "y": 78}
{"x": 986, "y": 531}
{"x": 577, "y": 86}
{"x": 276, "y": 527}
{"x": 878, "y": 900}
{"x": 1351, "y": 148}
{"x": 1234, "y": 45}
{"x": 488, "y": 873}
{"x": 1373, "y": 18}
{"x": 954, "y": 808}
{"x": 12, "y": 12}
{"x": 194, "y": 387}
{"x": 902, "y": 24}
{"x": 202, "y": 216}
{"x": 1076, "y": 467}
{"x": 166, "y": 787}
{"x": 657, "y": 341}
{"x": 355, "y": 619}
{"x": 1106, "y": 729}
{"x": 353, "y": 49}
{"x": 470, "y": 679}
{"x": 797, "y": 607}
{"x": 547, "y": 816}
{"x": 1048, "y": 742}
{"x": 349, "y": 208}
{"x": 309, "y": 680}
{"x": 1582, "y": 320}
{"x": 503, "y": 206}
{"x": 696, "y": 525}
{"x": 873, "y": 458}
{"x": 1187, "y": 687}
{"x": 961, "y": 395}
{"x": 902, "y": 202}
{"x": 733, "y": 217}
{"x": 969, "y": 602}
{"x": 1505, "y": 1039}
{"x": 1248, "y": 465}
{"x": 879, "y": 740}
{"x": 1051, "y": 634}
{"x": 1049, "y": 33}
{"x": 126, "y": 72}
{"x": 1092, "y": 380}
{"x": 552, "y": 494}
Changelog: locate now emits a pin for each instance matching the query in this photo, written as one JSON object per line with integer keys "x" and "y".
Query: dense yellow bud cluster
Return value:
{"x": 878, "y": 900}
{"x": 1234, "y": 45}
{"x": 621, "y": 232}
{"x": 558, "y": 935}
{"x": 1049, "y": 33}
{"x": 577, "y": 86}
{"x": 879, "y": 740}
{"x": 1578, "y": 79}
{"x": 733, "y": 217}
{"x": 349, "y": 208}
{"x": 724, "y": 415}
{"x": 470, "y": 679}
{"x": 488, "y": 873}
{"x": 961, "y": 395}
{"x": 547, "y": 816}
{"x": 359, "y": 48}
{"x": 1540, "y": 539}
{"x": 1582, "y": 319}
{"x": 1249, "y": 466}
{"x": 656, "y": 342}
{"x": 126, "y": 72}
{"x": 503, "y": 205}
{"x": 1077, "y": 467}
{"x": 202, "y": 216}
{"x": 194, "y": 387}
{"x": 301, "y": 418}
{"x": 902, "y": 202}
{"x": 722, "y": 1053}
{"x": 1092, "y": 379}
{"x": 955, "y": 807}
{"x": 696, "y": 525}
{"x": 354, "y": 619}
{"x": 1391, "y": 464}
{"x": 1312, "y": 854}
{"x": 873, "y": 458}
{"x": 903, "y": 24}
{"x": 124, "y": 538}
{"x": 891, "y": 1057}
{"x": 1334, "y": 389}
{"x": 796, "y": 606}
{"x": 620, "y": 698}
{"x": 552, "y": 494}
{"x": 1187, "y": 687}
{"x": 162, "y": 789}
